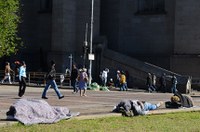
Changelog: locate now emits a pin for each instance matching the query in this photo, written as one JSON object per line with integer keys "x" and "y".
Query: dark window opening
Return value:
{"x": 45, "y": 6}
{"x": 151, "y": 7}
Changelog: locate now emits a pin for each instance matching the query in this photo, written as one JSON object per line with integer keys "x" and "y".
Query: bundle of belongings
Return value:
{"x": 135, "y": 107}
{"x": 178, "y": 100}
{"x": 33, "y": 111}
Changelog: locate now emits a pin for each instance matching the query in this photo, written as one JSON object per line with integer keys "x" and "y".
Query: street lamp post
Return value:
{"x": 85, "y": 46}
{"x": 91, "y": 38}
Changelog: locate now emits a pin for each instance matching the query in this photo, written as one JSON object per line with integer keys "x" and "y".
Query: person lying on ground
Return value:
{"x": 135, "y": 107}
{"x": 178, "y": 100}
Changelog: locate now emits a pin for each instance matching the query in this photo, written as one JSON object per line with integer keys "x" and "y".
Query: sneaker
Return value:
{"x": 61, "y": 97}
{"x": 44, "y": 97}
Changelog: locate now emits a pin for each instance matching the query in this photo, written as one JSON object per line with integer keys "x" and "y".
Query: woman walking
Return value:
{"x": 7, "y": 73}
{"x": 22, "y": 79}
{"x": 82, "y": 82}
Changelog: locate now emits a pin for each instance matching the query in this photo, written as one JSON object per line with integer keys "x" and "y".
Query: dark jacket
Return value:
{"x": 185, "y": 101}
{"x": 52, "y": 73}
{"x": 74, "y": 74}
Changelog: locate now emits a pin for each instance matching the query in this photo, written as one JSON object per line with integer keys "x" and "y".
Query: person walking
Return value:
{"x": 117, "y": 83}
{"x": 104, "y": 76}
{"x": 163, "y": 85}
{"x": 22, "y": 79}
{"x": 73, "y": 78}
{"x": 174, "y": 83}
{"x": 51, "y": 76}
{"x": 149, "y": 83}
{"x": 154, "y": 81}
{"x": 82, "y": 81}
{"x": 7, "y": 73}
{"x": 16, "y": 70}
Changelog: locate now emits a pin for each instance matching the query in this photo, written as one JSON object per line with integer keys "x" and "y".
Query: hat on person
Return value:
{"x": 175, "y": 99}
{"x": 84, "y": 69}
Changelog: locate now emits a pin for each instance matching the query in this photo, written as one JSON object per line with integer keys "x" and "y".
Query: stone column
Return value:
{"x": 63, "y": 33}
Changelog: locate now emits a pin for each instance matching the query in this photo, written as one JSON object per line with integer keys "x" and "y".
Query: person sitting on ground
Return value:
{"x": 178, "y": 100}
{"x": 135, "y": 107}
{"x": 111, "y": 83}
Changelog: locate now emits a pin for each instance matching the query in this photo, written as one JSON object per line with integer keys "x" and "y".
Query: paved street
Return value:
{"x": 97, "y": 103}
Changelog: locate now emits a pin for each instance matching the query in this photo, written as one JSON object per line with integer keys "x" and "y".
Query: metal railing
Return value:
{"x": 39, "y": 78}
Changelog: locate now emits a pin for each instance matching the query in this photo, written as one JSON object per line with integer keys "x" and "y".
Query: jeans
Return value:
{"x": 74, "y": 85}
{"x": 149, "y": 106}
{"x": 104, "y": 81}
{"x": 123, "y": 87}
{"x": 55, "y": 87}
{"x": 151, "y": 88}
{"x": 173, "y": 89}
{"x": 22, "y": 86}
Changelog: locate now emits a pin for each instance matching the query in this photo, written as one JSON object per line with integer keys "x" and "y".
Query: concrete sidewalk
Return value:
{"x": 95, "y": 104}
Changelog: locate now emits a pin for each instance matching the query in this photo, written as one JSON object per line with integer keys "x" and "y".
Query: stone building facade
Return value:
{"x": 162, "y": 32}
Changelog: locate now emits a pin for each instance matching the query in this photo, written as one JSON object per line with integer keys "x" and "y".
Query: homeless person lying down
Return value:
{"x": 178, "y": 100}
{"x": 135, "y": 107}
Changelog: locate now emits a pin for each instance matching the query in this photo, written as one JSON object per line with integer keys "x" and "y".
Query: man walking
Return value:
{"x": 51, "y": 76}
{"x": 74, "y": 76}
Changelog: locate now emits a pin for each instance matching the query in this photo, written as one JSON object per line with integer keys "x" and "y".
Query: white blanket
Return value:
{"x": 33, "y": 111}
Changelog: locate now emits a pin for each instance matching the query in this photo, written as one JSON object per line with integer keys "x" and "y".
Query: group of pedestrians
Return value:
{"x": 21, "y": 74}
{"x": 79, "y": 80}
{"x": 120, "y": 81}
{"x": 151, "y": 83}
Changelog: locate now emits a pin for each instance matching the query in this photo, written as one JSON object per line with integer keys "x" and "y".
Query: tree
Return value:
{"x": 9, "y": 20}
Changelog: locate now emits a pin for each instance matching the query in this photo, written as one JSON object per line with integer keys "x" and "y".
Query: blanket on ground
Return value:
{"x": 33, "y": 111}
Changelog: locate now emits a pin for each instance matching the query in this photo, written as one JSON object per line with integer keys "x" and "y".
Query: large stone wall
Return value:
{"x": 69, "y": 21}
{"x": 55, "y": 34}
{"x": 138, "y": 35}
{"x": 187, "y": 27}
{"x": 170, "y": 40}
{"x": 187, "y": 38}
{"x": 35, "y": 31}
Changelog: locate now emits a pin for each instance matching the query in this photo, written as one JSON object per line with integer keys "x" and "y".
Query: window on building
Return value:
{"x": 151, "y": 7}
{"x": 45, "y": 6}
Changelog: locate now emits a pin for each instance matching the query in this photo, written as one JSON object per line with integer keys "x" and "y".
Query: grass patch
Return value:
{"x": 179, "y": 122}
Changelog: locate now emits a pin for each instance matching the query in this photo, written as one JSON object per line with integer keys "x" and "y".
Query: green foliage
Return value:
{"x": 171, "y": 122}
{"x": 9, "y": 20}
